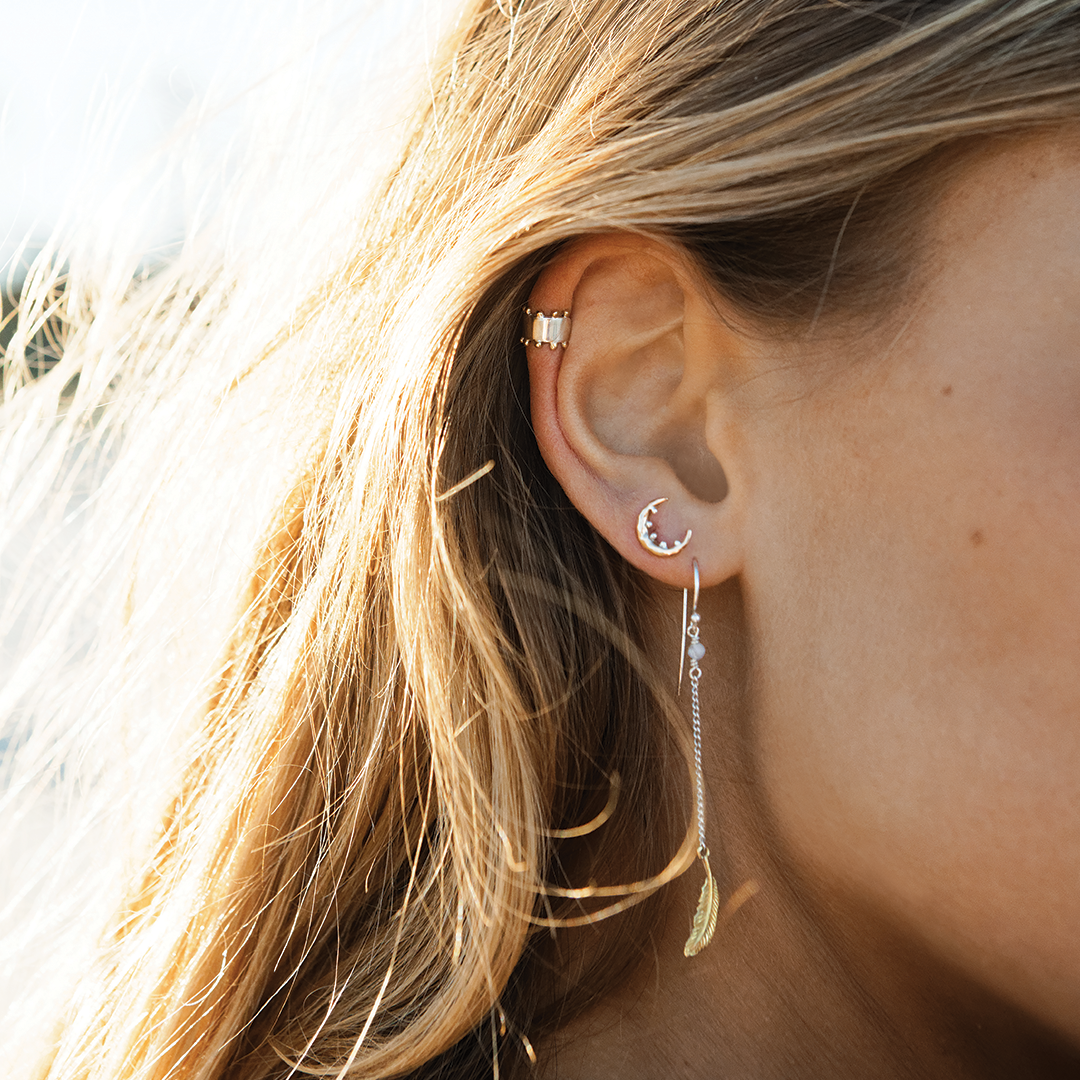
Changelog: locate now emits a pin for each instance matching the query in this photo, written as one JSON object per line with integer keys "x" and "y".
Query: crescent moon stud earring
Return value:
{"x": 648, "y": 537}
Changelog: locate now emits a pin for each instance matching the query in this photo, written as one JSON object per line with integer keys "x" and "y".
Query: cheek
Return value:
{"x": 918, "y": 703}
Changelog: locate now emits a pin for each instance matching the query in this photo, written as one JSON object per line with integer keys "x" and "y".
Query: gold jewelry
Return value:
{"x": 541, "y": 329}
{"x": 708, "y": 908}
{"x": 647, "y": 536}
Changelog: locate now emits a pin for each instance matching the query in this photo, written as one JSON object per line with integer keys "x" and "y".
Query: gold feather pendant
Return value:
{"x": 705, "y": 917}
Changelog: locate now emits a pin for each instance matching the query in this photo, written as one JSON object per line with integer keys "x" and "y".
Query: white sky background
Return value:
{"x": 147, "y": 64}
{"x": 64, "y": 62}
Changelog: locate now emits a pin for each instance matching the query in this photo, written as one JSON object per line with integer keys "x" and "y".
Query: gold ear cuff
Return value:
{"x": 541, "y": 329}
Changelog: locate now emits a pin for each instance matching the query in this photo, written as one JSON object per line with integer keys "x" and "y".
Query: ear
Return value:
{"x": 639, "y": 405}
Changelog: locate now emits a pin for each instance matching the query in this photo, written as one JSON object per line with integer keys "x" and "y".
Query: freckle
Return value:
{"x": 976, "y": 538}
{"x": 946, "y": 391}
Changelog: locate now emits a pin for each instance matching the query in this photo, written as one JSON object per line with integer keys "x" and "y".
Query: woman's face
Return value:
{"x": 912, "y": 584}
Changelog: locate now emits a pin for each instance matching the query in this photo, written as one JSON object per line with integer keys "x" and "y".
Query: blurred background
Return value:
{"x": 131, "y": 120}
{"x": 65, "y": 65}
{"x": 90, "y": 88}
{"x": 114, "y": 113}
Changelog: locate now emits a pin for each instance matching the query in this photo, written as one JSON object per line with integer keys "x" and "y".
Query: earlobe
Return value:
{"x": 630, "y": 416}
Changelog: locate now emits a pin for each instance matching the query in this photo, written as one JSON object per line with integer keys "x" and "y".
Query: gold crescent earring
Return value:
{"x": 648, "y": 537}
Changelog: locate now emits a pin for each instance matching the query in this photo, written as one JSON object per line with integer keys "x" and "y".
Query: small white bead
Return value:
{"x": 663, "y": 544}
{"x": 695, "y": 650}
{"x": 695, "y": 618}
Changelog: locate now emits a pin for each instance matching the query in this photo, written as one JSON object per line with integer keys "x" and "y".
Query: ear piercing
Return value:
{"x": 541, "y": 329}
{"x": 647, "y": 535}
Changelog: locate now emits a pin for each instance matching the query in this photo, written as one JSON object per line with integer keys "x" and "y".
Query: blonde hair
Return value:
{"x": 401, "y": 722}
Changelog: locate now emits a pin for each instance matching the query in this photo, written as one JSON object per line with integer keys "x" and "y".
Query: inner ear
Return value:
{"x": 694, "y": 464}
{"x": 641, "y": 398}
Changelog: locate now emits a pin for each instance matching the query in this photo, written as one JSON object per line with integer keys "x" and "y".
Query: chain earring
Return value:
{"x": 708, "y": 908}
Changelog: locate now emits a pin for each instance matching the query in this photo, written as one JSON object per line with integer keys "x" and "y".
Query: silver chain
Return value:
{"x": 693, "y": 632}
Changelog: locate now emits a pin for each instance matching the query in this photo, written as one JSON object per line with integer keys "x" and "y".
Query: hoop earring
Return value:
{"x": 542, "y": 329}
{"x": 708, "y": 908}
{"x": 647, "y": 536}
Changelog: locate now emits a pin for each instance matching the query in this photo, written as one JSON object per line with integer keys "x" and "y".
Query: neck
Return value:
{"x": 796, "y": 984}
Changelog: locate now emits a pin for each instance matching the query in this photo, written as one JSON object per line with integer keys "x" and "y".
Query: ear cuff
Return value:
{"x": 540, "y": 329}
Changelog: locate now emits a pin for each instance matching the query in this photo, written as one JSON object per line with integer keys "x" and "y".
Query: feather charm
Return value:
{"x": 705, "y": 917}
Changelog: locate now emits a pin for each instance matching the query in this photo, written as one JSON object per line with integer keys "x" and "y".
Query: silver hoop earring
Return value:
{"x": 647, "y": 535}
{"x": 708, "y": 908}
{"x": 542, "y": 329}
